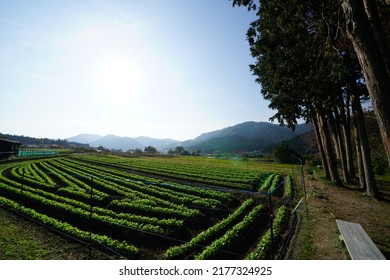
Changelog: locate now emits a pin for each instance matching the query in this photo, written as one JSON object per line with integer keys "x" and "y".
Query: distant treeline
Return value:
{"x": 31, "y": 141}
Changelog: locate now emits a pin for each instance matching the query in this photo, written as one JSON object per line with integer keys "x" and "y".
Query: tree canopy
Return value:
{"x": 309, "y": 68}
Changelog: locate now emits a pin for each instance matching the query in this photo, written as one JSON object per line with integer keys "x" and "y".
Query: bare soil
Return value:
{"x": 317, "y": 236}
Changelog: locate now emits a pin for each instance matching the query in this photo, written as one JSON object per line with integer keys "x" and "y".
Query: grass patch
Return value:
{"x": 305, "y": 242}
{"x": 23, "y": 240}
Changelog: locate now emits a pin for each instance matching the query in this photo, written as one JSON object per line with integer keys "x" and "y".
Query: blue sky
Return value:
{"x": 163, "y": 69}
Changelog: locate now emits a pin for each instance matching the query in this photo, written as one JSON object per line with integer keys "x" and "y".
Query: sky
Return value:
{"x": 163, "y": 69}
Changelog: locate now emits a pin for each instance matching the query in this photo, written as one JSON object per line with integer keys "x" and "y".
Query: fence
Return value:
{"x": 37, "y": 152}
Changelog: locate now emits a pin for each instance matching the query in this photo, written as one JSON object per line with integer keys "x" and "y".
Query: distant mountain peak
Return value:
{"x": 246, "y": 136}
{"x": 84, "y": 138}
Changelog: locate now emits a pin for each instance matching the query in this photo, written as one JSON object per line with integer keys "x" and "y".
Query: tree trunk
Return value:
{"x": 320, "y": 146}
{"x": 378, "y": 31}
{"x": 371, "y": 187}
{"x": 342, "y": 149}
{"x": 346, "y": 129}
{"x": 329, "y": 154}
{"x": 372, "y": 51}
{"x": 362, "y": 179}
{"x": 333, "y": 133}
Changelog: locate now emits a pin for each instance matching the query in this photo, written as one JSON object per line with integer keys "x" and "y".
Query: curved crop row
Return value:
{"x": 242, "y": 179}
{"x": 70, "y": 211}
{"x": 276, "y": 183}
{"x": 152, "y": 208}
{"x": 151, "y": 181}
{"x": 101, "y": 211}
{"x": 207, "y": 235}
{"x": 153, "y": 190}
{"x": 120, "y": 246}
{"x": 105, "y": 196}
{"x": 29, "y": 179}
{"x": 231, "y": 235}
{"x": 267, "y": 183}
{"x": 72, "y": 185}
{"x": 264, "y": 245}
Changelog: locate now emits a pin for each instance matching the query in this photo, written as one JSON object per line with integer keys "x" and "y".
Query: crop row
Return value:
{"x": 98, "y": 210}
{"x": 264, "y": 244}
{"x": 267, "y": 183}
{"x": 72, "y": 185}
{"x": 231, "y": 235}
{"x": 127, "y": 176}
{"x": 60, "y": 171}
{"x": 153, "y": 190}
{"x": 18, "y": 174}
{"x": 207, "y": 235}
{"x": 73, "y": 213}
{"x": 272, "y": 184}
{"x": 97, "y": 195}
{"x": 120, "y": 246}
{"x": 288, "y": 186}
{"x": 46, "y": 195}
{"x": 276, "y": 183}
{"x": 151, "y": 208}
{"x": 237, "y": 178}
{"x": 110, "y": 186}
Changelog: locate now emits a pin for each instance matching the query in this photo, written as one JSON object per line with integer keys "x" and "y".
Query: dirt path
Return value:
{"x": 319, "y": 238}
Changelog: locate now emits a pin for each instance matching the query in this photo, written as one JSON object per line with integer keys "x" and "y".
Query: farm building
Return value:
{"x": 8, "y": 148}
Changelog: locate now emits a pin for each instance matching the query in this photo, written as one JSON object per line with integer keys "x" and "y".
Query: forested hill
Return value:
{"x": 32, "y": 141}
{"x": 244, "y": 137}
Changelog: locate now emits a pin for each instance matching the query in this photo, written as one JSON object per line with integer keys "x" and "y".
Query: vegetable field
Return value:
{"x": 139, "y": 208}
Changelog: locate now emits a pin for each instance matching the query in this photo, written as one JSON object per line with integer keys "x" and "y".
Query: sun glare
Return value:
{"x": 118, "y": 79}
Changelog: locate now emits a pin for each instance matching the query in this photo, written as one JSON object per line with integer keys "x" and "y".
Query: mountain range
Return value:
{"x": 243, "y": 137}
{"x": 122, "y": 143}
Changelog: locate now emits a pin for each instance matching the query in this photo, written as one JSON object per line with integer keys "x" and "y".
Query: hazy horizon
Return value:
{"x": 134, "y": 136}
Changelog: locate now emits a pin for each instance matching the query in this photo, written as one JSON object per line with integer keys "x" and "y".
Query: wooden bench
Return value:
{"x": 358, "y": 243}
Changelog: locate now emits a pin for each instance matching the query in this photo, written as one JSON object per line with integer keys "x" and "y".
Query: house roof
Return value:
{"x": 9, "y": 141}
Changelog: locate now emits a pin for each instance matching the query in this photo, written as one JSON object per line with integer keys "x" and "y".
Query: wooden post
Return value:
{"x": 90, "y": 221}
{"x": 271, "y": 218}
{"x": 303, "y": 185}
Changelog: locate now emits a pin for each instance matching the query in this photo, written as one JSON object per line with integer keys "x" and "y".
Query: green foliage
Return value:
{"x": 229, "y": 177}
{"x": 276, "y": 183}
{"x": 231, "y": 235}
{"x": 120, "y": 246}
{"x": 302, "y": 60}
{"x": 179, "y": 150}
{"x": 268, "y": 182}
{"x": 150, "y": 149}
{"x": 288, "y": 186}
{"x": 207, "y": 235}
{"x": 62, "y": 192}
{"x": 264, "y": 245}
{"x": 149, "y": 209}
{"x": 283, "y": 154}
{"x": 380, "y": 166}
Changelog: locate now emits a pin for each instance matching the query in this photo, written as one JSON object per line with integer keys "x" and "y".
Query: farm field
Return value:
{"x": 153, "y": 208}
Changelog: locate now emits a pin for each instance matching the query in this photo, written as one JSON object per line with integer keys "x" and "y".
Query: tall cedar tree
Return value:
{"x": 300, "y": 64}
{"x": 291, "y": 67}
{"x": 366, "y": 30}
{"x": 367, "y": 26}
